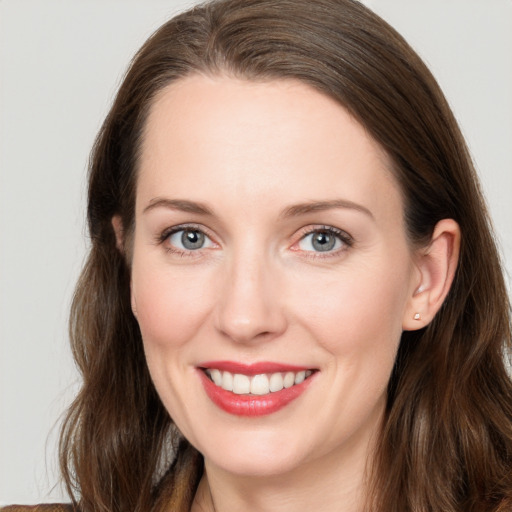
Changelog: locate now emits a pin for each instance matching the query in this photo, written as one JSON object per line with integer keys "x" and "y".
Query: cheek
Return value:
{"x": 170, "y": 305}
{"x": 358, "y": 313}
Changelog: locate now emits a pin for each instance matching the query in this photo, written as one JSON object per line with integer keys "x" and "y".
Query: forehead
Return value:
{"x": 279, "y": 140}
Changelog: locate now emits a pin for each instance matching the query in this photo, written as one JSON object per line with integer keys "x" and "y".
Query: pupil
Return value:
{"x": 323, "y": 242}
{"x": 192, "y": 239}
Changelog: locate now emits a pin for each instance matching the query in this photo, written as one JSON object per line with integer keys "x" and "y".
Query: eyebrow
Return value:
{"x": 318, "y": 206}
{"x": 178, "y": 204}
{"x": 291, "y": 211}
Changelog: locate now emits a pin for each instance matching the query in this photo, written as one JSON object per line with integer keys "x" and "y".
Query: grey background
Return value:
{"x": 60, "y": 64}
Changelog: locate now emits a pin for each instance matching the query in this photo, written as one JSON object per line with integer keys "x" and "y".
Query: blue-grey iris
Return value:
{"x": 192, "y": 239}
{"x": 323, "y": 241}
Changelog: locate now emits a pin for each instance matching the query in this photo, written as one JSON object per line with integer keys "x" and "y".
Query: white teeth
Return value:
{"x": 300, "y": 377}
{"x": 241, "y": 384}
{"x": 289, "y": 380}
{"x": 276, "y": 382}
{"x": 216, "y": 376}
{"x": 262, "y": 384}
{"x": 227, "y": 381}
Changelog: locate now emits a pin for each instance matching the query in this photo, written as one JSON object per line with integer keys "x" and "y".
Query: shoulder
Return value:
{"x": 45, "y": 507}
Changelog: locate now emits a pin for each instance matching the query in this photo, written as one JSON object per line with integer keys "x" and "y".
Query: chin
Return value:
{"x": 268, "y": 466}
{"x": 257, "y": 454}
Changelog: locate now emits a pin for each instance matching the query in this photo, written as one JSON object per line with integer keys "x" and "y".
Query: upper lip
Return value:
{"x": 252, "y": 368}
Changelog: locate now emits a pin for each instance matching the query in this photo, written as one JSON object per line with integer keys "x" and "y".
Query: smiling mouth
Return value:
{"x": 256, "y": 385}
{"x": 255, "y": 389}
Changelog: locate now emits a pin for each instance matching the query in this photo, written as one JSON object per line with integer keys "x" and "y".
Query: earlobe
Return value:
{"x": 437, "y": 264}
{"x": 117, "y": 224}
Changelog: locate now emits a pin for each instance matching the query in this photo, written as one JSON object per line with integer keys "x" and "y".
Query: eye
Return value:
{"x": 188, "y": 239}
{"x": 327, "y": 239}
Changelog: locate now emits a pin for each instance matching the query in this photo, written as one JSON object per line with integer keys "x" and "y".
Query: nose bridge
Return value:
{"x": 249, "y": 307}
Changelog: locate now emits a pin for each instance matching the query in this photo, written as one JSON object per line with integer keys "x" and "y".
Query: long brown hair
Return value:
{"x": 446, "y": 442}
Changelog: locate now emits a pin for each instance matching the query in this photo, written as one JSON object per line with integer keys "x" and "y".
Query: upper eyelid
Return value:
{"x": 307, "y": 230}
{"x": 322, "y": 227}
{"x": 183, "y": 227}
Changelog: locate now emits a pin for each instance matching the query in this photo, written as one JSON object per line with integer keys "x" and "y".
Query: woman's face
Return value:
{"x": 269, "y": 255}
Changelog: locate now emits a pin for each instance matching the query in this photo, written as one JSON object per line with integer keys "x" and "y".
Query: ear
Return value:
{"x": 117, "y": 224}
{"x": 437, "y": 264}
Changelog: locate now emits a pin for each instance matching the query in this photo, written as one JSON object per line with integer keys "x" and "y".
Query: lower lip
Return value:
{"x": 252, "y": 405}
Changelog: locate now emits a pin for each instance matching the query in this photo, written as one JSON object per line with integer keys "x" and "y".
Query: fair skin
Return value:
{"x": 269, "y": 228}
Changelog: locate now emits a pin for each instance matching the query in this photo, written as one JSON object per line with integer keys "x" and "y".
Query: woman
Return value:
{"x": 292, "y": 285}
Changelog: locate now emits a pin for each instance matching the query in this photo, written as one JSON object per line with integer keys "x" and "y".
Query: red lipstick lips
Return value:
{"x": 247, "y": 404}
{"x": 252, "y": 369}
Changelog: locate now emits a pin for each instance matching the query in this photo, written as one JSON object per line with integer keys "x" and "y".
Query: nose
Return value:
{"x": 250, "y": 307}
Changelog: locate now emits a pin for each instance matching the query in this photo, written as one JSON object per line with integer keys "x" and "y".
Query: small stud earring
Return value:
{"x": 417, "y": 316}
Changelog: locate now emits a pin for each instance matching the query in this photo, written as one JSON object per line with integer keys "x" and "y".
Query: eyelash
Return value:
{"x": 161, "y": 239}
{"x": 346, "y": 240}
